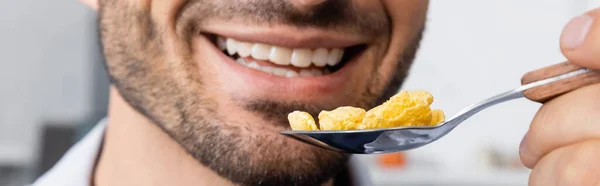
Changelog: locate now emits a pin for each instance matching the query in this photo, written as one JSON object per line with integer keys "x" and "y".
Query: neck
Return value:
{"x": 137, "y": 152}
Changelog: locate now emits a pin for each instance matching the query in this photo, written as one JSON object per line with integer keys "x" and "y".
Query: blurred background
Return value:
{"x": 54, "y": 86}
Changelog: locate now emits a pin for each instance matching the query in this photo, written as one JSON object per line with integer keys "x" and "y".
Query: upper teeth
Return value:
{"x": 299, "y": 57}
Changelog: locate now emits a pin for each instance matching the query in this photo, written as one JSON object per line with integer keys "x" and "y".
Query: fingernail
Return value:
{"x": 522, "y": 145}
{"x": 576, "y": 31}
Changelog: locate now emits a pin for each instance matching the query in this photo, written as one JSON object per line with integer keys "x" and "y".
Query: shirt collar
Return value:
{"x": 76, "y": 166}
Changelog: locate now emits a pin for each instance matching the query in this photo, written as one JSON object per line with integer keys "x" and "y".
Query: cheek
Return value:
{"x": 385, "y": 65}
{"x": 412, "y": 12}
{"x": 163, "y": 12}
{"x": 208, "y": 69}
{"x": 407, "y": 27}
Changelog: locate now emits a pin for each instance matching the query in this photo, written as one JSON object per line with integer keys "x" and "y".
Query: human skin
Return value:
{"x": 184, "y": 113}
{"x": 570, "y": 159}
{"x": 562, "y": 145}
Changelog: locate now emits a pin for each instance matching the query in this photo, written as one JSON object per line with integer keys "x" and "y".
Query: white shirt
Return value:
{"x": 76, "y": 166}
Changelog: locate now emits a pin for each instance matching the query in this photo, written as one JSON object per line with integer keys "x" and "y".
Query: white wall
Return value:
{"x": 45, "y": 56}
{"x": 476, "y": 49}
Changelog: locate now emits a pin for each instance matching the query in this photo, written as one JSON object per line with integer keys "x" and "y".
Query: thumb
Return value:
{"x": 580, "y": 40}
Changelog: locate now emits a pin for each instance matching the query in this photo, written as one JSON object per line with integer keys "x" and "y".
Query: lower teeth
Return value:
{"x": 284, "y": 72}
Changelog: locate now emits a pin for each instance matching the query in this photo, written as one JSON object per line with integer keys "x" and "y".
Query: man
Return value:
{"x": 201, "y": 88}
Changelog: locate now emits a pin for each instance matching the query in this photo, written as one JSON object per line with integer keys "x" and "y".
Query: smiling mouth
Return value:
{"x": 284, "y": 61}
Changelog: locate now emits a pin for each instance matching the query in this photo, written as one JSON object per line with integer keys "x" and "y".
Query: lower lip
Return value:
{"x": 313, "y": 84}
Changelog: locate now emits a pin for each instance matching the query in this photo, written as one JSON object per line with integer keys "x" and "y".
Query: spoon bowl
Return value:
{"x": 369, "y": 141}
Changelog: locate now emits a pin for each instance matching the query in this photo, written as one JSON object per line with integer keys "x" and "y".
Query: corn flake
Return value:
{"x": 403, "y": 109}
{"x": 342, "y": 118}
{"x": 302, "y": 121}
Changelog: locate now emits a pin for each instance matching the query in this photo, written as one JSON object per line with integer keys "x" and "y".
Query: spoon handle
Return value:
{"x": 553, "y": 89}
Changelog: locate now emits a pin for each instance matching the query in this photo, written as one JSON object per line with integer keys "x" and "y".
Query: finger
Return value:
{"x": 568, "y": 119}
{"x": 580, "y": 40}
{"x": 576, "y": 164}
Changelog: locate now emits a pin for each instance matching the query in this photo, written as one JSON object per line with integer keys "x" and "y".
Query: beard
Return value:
{"x": 166, "y": 88}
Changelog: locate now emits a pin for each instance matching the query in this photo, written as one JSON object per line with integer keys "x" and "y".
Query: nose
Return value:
{"x": 307, "y": 4}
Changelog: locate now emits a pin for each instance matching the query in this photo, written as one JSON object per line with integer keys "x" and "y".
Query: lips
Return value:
{"x": 268, "y": 70}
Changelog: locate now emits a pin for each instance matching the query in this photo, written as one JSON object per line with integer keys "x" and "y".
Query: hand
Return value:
{"x": 562, "y": 145}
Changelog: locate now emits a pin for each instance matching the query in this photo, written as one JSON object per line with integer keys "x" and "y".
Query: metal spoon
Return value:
{"x": 539, "y": 85}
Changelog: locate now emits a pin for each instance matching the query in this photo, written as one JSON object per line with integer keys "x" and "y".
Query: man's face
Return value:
{"x": 220, "y": 76}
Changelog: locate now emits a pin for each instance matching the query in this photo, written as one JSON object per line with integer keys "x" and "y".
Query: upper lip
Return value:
{"x": 284, "y": 36}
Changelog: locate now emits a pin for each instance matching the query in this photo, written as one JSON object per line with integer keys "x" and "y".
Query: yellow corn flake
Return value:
{"x": 302, "y": 121}
{"x": 418, "y": 115}
{"x": 422, "y": 96}
{"x": 403, "y": 109}
{"x": 375, "y": 117}
{"x": 437, "y": 116}
{"x": 342, "y": 118}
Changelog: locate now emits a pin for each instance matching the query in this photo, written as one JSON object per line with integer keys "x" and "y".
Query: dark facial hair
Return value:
{"x": 171, "y": 93}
